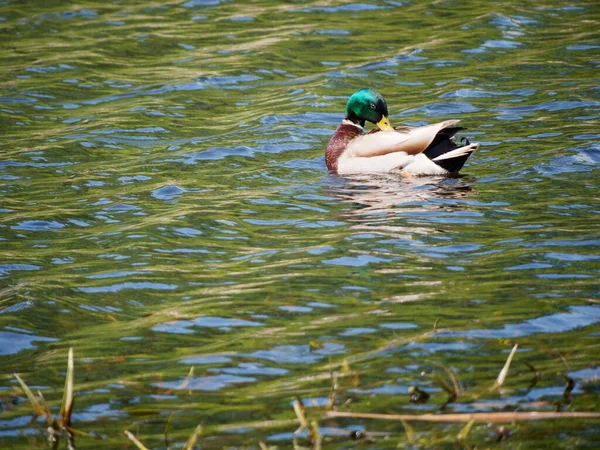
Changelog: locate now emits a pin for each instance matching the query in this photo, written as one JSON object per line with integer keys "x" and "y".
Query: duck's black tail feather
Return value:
{"x": 451, "y": 131}
{"x": 446, "y": 154}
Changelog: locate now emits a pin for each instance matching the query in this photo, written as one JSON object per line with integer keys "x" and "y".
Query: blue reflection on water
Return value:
{"x": 223, "y": 323}
{"x": 208, "y": 383}
{"x": 128, "y": 285}
{"x": 11, "y": 343}
{"x": 577, "y": 317}
{"x": 298, "y": 354}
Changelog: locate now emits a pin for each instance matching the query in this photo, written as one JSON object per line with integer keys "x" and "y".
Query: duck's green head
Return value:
{"x": 368, "y": 105}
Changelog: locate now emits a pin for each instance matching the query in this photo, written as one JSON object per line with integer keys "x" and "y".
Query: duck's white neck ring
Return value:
{"x": 349, "y": 122}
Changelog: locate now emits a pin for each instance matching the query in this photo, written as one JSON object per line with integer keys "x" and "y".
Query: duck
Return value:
{"x": 419, "y": 151}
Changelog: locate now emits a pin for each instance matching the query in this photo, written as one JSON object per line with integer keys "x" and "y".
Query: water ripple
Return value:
{"x": 128, "y": 285}
{"x": 577, "y": 317}
{"x": 183, "y": 326}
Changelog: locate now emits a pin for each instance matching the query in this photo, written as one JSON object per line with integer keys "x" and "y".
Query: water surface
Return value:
{"x": 165, "y": 205}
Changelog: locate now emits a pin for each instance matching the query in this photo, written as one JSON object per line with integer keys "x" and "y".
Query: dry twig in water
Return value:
{"x": 497, "y": 417}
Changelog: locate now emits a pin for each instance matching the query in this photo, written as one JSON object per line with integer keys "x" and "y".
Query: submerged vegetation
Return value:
{"x": 308, "y": 432}
{"x": 167, "y": 213}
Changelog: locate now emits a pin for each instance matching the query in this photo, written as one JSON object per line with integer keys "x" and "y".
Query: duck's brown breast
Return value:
{"x": 339, "y": 142}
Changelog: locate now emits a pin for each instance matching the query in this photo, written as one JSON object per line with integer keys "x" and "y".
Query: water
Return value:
{"x": 165, "y": 205}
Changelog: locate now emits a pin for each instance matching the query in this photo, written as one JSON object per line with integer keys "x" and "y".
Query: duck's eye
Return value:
{"x": 372, "y": 106}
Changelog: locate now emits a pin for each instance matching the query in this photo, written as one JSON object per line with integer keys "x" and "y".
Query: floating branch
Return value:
{"x": 259, "y": 425}
{"x": 498, "y": 417}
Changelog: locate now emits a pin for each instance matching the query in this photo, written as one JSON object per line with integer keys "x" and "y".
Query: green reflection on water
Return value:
{"x": 163, "y": 163}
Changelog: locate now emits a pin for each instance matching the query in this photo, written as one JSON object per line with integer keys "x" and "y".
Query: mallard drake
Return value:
{"x": 426, "y": 150}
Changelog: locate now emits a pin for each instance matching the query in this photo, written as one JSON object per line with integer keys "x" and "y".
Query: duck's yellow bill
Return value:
{"x": 384, "y": 124}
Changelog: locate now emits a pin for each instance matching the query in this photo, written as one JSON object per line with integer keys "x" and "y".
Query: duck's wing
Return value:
{"x": 409, "y": 140}
{"x": 375, "y": 164}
